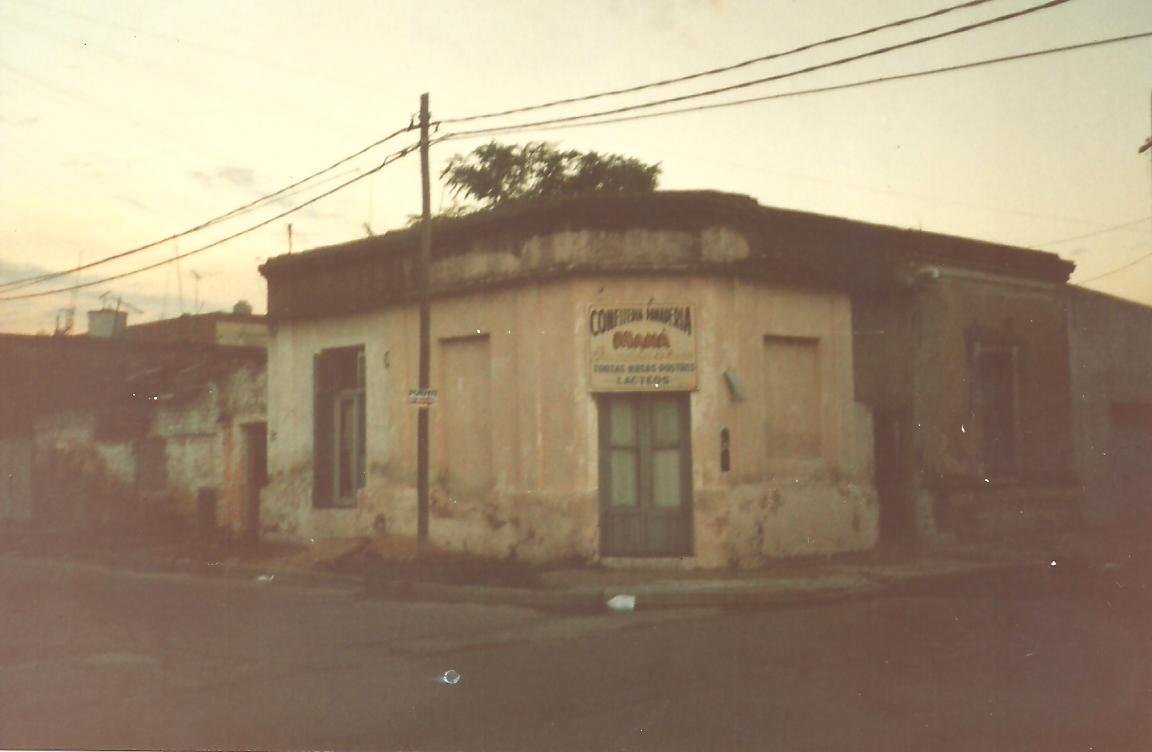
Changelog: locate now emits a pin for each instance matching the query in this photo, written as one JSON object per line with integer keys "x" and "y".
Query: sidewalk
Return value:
{"x": 396, "y": 574}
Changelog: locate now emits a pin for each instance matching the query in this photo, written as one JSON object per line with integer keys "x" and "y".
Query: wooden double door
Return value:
{"x": 645, "y": 475}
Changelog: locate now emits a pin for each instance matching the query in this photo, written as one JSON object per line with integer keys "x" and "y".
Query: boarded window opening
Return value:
{"x": 466, "y": 364}
{"x": 792, "y": 396}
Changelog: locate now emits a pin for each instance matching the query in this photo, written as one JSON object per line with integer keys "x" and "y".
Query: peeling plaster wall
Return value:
{"x": 768, "y": 505}
{"x": 915, "y": 358}
{"x": 82, "y": 478}
{"x": 77, "y": 479}
{"x": 124, "y": 432}
{"x": 543, "y": 500}
{"x": 957, "y": 312}
{"x": 15, "y": 479}
{"x": 204, "y": 445}
{"x": 540, "y": 503}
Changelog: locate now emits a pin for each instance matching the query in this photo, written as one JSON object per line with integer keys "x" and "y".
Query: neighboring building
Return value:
{"x": 1111, "y": 343}
{"x": 112, "y": 432}
{"x": 240, "y": 328}
{"x": 966, "y": 370}
{"x": 666, "y": 375}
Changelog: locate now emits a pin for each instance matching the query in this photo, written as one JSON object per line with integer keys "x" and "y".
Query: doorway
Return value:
{"x": 892, "y": 475}
{"x": 645, "y": 475}
{"x": 256, "y": 449}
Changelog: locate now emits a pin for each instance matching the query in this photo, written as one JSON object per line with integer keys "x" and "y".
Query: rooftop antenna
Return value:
{"x": 120, "y": 303}
{"x": 195, "y": 291}
{"x": 289, "y": 237}
{"x": 179, "y": 276}
{"x": 66, "y": 317}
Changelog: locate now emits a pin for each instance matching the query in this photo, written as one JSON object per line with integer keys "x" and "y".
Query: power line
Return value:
{"x": 1121, "y": 268}
{"x": 798, "y": 93}
{"x": 722, "y": 69}
{"x": 393, "y": 157}
{"x": 776, "y": 77}
{"x": 1103, "y": 231}
{"x": 184, "y": 42}
{"x": 169, "y": 73}
{"x": 20, "y": 283}
{"x": 71, "y": 94}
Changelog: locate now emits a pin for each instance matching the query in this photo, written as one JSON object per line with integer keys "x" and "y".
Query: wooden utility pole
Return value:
{"x": 422, "y": 281}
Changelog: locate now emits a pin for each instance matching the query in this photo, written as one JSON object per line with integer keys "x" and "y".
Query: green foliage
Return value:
{"x": 495, "y": 173}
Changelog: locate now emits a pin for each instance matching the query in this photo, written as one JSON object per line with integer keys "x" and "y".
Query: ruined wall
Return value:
{"x": 78, "y": 478}
{"x": 539, "y": 498}
{"x": 15, "y": 479}
{"x": 204, "y": 447}
{"x": 121, "y": 433}
{"x": 955, "y": 314}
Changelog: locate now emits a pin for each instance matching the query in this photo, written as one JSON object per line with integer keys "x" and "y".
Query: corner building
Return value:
{"x": 656, "y": 376}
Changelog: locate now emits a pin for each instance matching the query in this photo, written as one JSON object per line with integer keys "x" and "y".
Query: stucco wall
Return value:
{"x": 917, "y": 358}
{"x": 1111, "y": 354}
{"x": 543, "y": 500}
{"x": 956, "y": 313}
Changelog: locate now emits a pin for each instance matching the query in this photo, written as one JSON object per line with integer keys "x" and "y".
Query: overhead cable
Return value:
{"x": 722, "y": 69}
{"x": 768, "y": 79}
{"x": 20, "y": 283}
{"x": 1130, "y": 264}
{"x": 1093, "y": 234}
{"x": 387, "y": 161}
{"x": 800, "y": 92}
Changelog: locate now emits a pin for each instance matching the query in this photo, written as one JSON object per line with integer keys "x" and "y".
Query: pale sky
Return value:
{"x": 125, "y": 121}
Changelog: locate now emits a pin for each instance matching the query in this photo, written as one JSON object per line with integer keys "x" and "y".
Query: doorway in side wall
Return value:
{"x": 892, "y": 484}
{"x": 256, "y": 451}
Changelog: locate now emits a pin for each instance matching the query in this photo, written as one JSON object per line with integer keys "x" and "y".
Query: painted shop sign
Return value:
{"x": 641, "y": 348}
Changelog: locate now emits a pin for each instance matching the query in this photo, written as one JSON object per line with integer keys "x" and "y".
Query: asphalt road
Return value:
{"x": 91, "y": 658}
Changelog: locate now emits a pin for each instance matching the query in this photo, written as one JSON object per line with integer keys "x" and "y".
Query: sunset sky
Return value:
{"x": 125, "y": 121}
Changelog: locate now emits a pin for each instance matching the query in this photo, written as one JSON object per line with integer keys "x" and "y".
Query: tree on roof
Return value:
{"x": 495, "y": 173}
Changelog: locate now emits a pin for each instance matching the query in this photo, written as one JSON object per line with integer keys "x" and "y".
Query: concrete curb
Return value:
{"x": 917, "y": 584}
{"x": 566, "y": 599}
{"x": 177, "y": 566}
{"x": 870, "y": 583}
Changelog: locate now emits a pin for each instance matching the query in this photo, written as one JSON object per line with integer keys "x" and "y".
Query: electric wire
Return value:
{"x": 1120, "y": 268}
{"x": 27, "y": 281}
{"x": 393, "y": 157}
{"x": 776, "y": 77}
{"x": 800, "y": 92}
{"x": 1103, "y": 231}
{"x": 721, "y": 69}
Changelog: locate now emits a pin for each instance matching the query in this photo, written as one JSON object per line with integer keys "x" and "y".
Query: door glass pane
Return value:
{"x": 666, "y": 421}
{"x": 623, "y": 471}
{"x": 666, "y": 476}
{"x": 345, "y": 457}
{"x": 622, "y": 422}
